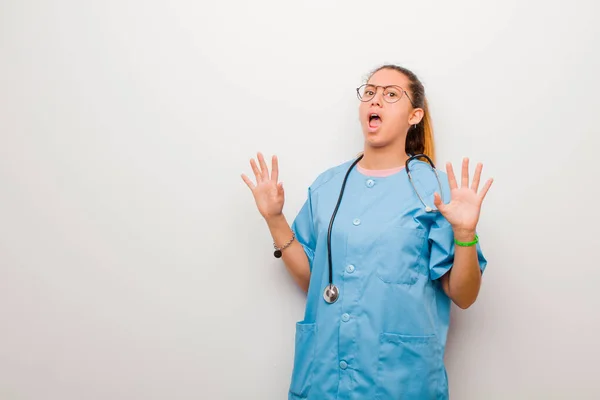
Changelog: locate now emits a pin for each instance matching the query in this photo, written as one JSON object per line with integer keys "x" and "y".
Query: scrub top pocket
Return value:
{"x": 305, "y": 344}
{"x": 410, "y": 368}
{"x": 398, "y": 254}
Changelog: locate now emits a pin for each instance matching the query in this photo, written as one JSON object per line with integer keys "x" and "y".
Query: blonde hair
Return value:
{"x": 427, "y": 133}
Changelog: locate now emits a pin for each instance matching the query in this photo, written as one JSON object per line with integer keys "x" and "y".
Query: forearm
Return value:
{"x": 464, "y": 279}
{"x": 293, "y": 256}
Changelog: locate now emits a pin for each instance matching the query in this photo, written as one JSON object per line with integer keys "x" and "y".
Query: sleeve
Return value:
{"x": 441, "y": 245}
{"x": 303, "y": 228}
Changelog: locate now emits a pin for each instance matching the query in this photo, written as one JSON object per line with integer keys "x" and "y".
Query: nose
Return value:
{"x": 377, "y": 98}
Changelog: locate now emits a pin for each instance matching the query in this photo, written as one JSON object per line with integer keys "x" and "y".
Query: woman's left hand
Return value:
{"x": 463, "y": 210}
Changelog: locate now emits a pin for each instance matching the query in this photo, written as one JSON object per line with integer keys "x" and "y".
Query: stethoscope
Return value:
{"x": 332, "y": 292}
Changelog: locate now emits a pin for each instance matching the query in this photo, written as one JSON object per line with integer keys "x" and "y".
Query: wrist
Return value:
{"x": 274, "y": 220}
{"x": 464, "y": 234}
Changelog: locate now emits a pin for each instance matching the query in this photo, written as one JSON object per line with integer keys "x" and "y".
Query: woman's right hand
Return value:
{"x": 268, "y": 192}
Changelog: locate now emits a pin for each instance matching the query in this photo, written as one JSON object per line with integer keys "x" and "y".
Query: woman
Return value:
{"x": 376, "y": 322}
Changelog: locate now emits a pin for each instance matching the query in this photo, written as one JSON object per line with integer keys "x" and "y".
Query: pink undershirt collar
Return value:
{"x": 380, "y": 173}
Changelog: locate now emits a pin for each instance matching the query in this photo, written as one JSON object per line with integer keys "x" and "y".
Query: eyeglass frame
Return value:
{"x": 384, "y": 89}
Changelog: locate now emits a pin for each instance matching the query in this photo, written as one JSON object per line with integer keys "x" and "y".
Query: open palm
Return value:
{"x": 268, "y": 192}
{"x": 463, "y": 210}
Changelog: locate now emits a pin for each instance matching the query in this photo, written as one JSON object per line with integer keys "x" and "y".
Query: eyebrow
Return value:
{"x": 384, "y": 86}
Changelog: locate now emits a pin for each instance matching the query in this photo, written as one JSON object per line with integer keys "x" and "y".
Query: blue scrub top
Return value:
{"x": 385, "y": 336}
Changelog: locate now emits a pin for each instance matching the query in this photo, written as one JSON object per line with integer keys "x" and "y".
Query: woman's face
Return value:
{"x": 384, "y": 123}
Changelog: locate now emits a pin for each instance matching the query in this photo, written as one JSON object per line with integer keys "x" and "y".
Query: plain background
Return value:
{"x": 133, "y": 262}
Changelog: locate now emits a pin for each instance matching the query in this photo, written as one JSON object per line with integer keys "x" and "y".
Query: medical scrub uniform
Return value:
{"x": 384, "y": 338}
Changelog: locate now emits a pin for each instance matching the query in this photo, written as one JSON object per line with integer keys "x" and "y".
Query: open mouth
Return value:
{"x": 374, "y": 121}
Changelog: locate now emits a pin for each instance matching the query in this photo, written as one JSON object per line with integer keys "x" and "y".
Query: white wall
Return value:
{"x": 133, "y": 263}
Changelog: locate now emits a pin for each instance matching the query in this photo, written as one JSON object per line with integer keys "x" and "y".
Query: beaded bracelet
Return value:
{"x": 278, "y": 250}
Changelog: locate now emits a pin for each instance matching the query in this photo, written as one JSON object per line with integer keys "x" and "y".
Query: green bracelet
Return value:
{"x": 467, "y": 244}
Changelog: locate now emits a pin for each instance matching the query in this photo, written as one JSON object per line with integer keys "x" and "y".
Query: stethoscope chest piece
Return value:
{"x": 331, "y": 293}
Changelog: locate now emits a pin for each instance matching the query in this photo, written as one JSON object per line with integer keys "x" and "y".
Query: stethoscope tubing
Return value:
{"x": 331, "y": 291}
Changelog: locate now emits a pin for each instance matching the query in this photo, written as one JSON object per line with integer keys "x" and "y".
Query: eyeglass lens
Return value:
{"x": 391, "y": 94}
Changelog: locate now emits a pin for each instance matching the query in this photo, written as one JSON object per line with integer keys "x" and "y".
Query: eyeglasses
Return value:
{"x": 391, "y": 94}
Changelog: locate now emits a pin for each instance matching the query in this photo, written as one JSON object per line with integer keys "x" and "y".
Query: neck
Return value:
{"x": 386, "y": 157}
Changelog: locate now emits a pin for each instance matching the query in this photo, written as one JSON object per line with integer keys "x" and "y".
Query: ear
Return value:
{"x": 416, "y": 116}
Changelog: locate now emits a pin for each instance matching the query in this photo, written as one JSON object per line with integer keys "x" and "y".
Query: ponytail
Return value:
{"x": 420, "y": 138}
{"x": 429, "y": 144}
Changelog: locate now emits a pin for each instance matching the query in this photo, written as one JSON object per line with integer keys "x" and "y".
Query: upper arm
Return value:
{"x": 445, "y": 282}
{"x": 303, "y": 227}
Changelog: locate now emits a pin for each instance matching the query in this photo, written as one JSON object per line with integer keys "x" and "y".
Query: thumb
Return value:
{"x": 437, "y": 201}
{"x": 280, "y": 189}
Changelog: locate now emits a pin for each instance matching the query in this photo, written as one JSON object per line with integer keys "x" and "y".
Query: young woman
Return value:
{"x": 382, "y": 245}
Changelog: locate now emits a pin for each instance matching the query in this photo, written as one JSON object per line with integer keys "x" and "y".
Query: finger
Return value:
{"x": 465, "y": 173}
{"x": 263, "y": 167}
{"x": 477, "y": 177}
{"x": 438, "y": 203}
{"x": 280, "y": 188}
{"x": 256, "y": 171}
{"x": 451, "y": 177}
{"x": 274, "y": 169}
{"x": 248, "y": 182}
{"x": 485, "y": 189}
